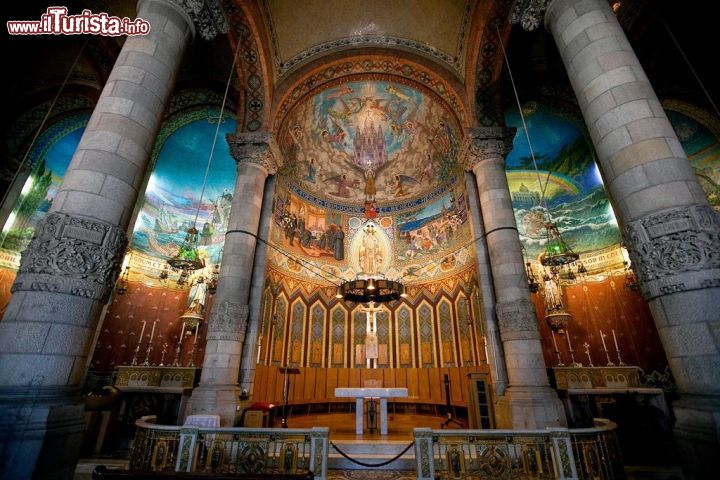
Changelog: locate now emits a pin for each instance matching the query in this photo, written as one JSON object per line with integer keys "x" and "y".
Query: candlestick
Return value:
{"x": 615, "y": 340}
{"x": 162, "y": 354}
{"x": 573, "y": 363}
{"x": 607, "y": 354}
{"x": 178, "y": 347}
{"x": 587, "y": 352}
{"x": 617, "y": 350}
{"x": 197, "y": 329}
{"x": 142, "y": 331}
{"x": 567, "y": 335}
{"x": 152, "y": 334}
{"x": 147, "y": 354}
{"x": 557, "y": 350}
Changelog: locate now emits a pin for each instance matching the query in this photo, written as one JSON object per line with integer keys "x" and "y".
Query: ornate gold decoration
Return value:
{"x": 596, "y": 377}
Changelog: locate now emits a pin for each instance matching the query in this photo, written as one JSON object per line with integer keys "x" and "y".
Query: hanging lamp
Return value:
{"x": 188, "y": 256}
{"x": 557, "y": 252}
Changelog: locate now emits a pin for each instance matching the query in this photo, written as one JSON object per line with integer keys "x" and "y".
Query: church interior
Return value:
{"x": 341, "y": 239}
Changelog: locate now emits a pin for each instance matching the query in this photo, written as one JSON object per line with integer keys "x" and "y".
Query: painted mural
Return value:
{"x": 50, "y": 158}
{"x": 173, "y": 195}
{"x": 567, "y": 182}
{"x": 703, "y": 151}
{"x": 317, "y": 241}
{"x": 370, "y": 142}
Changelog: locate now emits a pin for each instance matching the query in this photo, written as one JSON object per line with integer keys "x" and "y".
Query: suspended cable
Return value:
{"x": 687, "y": 60}
{"x": 524, "y": 124}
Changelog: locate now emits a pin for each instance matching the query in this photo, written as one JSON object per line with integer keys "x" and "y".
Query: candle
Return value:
{"x": 615, "y": 340}
{"x": 554, "y": 341}
{"x": 197, "y": 329}
{"x": 567, "y": 335}
{"x": 152, "y": 334}
{"x": 142, "y": 331}
{"x": 602, "y": 337}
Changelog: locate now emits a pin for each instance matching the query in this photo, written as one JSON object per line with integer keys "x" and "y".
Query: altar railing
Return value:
{"x": 228, "y": 451}
{"x": 557, "y": 453}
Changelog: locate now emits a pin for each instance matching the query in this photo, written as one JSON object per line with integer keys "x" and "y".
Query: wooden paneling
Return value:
{"x": 331, "y": 382}
{"x": 317, "y": 385}
{"x": 309, "y": 386}
{"x": 321, "y": 392}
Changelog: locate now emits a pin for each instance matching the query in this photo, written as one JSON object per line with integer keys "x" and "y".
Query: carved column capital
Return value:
{"x": 528, "y": 13}
{"x": 228, "y": 321}
{"x": 517, "y": 320}
{"x": 206, "y": 16}
{"x": 259, "y": 148}
{"x": 483, "y": 143}
{"x": 72, "y": 255}
{"x": 676, "y": 250}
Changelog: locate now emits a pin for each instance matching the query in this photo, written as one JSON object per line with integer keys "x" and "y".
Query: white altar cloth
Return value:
{"x": 360, "y": 394}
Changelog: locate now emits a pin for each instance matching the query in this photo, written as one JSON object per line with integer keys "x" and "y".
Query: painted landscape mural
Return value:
{"x": 703, "y": 151}
{"x": 50, "y": 158}
{"x": 370, "y": 141}
{"x": 569, "y": 178}
{"x": 172, "y": 198}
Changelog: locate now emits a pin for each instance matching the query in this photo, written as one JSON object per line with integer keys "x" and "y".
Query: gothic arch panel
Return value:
{"x": 446, "y": 331}
{"x": 338, "y": 334}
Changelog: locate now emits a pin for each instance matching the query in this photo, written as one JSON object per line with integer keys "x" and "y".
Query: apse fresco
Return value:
{"x": 413, "y": 244}
{"x": 370, "y": 142}
{"x": 573, "y": 189}
{"x": 51, "y": 157}
{"x": 703, "y": 151}
{"x": 172, "y": 198}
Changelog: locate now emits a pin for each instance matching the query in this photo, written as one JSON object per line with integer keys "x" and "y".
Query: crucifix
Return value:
{"x": 371, "y": 340}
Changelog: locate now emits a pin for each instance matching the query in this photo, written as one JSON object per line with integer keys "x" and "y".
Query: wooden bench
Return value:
{"x": 101, "y": 472}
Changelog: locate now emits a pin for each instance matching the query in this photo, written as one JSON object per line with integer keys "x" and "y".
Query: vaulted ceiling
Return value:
{"x": 302, "y": 31}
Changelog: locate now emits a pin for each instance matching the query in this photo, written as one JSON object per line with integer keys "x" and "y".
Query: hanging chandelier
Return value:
{"x": 557, "y": 252}
{"x": 188, "y": 256}
{"x": 375, "y": 288}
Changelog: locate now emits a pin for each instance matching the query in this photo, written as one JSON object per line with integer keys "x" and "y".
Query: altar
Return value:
{"x": 360, "y": 394}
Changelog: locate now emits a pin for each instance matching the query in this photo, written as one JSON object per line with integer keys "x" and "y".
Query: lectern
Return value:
{"x": 287, "y": 371}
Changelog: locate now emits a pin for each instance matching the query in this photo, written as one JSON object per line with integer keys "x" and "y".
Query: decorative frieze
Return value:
{"x": 228, "y": 321}
{"x": 72, "y": 255}
{"x": 206, "y": 15}
{"x": 596, "y": 378}
{"x": 517, "y": 320}
{"x": 528, "y": 13}
{"x": 676, "y": 250}
{"x": 256, "y": 147}
{"x": 484, "y": 143}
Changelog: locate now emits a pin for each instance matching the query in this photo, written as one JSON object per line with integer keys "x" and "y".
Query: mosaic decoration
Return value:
{"x": 428, "y": 307}
{"x": 573, "y": 188}
{"x": 297, "y": 333}
{"x": 703, "y": 151}
{"x": 456, "y": 61}
{"x": 370, "y": 141}
{"x": 372, "y": 66}
{"x": 250, "y": 67}
{"x": 433, "y": 240}
{"x": 172, "y": 195}
{"x": 49, "y": 159}
{"x": 278, "y": 331}
{"x": 446, "y": 333}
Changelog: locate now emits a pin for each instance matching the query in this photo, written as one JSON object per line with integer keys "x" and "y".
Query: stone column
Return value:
{"x": 529, "y": 402}
{"x": 249, "y": 355}
{"x": 69, "y": 269}
{"x": 485, "y": 285}
{"x": 673, "y": 235}
{"x": 257, "y": 156}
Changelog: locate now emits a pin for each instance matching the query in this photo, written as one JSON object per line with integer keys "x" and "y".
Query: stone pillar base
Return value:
{"x": 697, "y": 435}
{"x": 529, "y": 408}
{"x": 40, "y": 437}
{"x": 213, "y": 399}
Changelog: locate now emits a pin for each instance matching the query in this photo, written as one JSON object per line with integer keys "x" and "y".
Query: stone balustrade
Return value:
{"x": 553, "y": 453}
{"x": 228, "y": 451}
